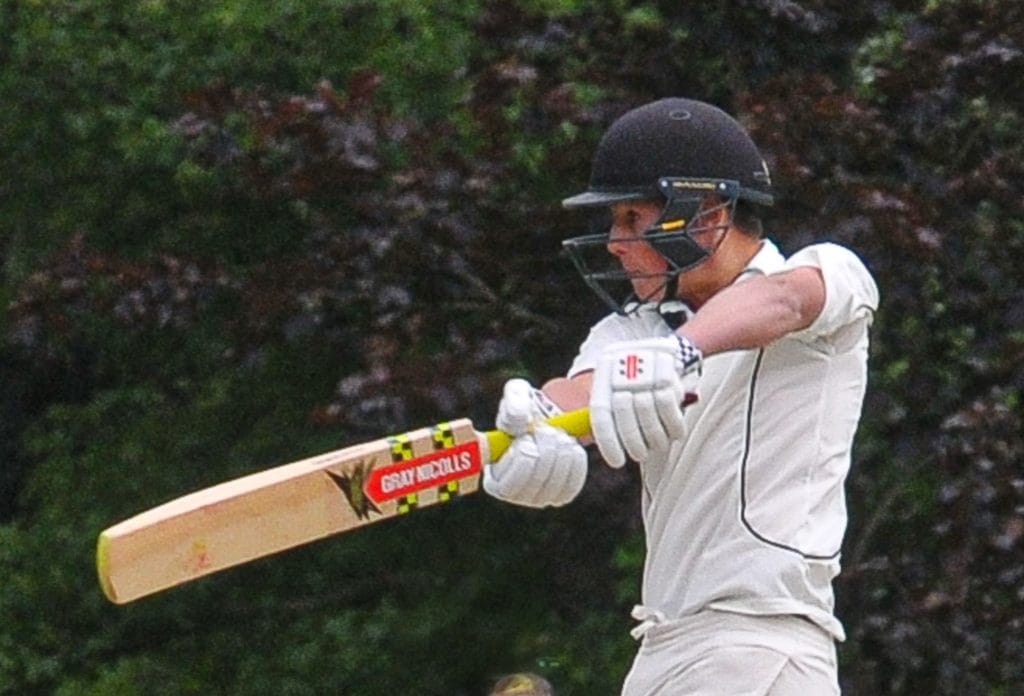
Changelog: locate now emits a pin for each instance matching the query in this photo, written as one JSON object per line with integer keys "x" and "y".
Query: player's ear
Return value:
{"x": 713, "y": 213}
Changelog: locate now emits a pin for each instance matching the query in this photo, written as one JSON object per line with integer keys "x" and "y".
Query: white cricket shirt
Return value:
{"x": 747, "y": 512}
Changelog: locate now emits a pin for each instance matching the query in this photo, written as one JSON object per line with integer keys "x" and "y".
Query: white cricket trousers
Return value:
{"x": 717, "y": 653}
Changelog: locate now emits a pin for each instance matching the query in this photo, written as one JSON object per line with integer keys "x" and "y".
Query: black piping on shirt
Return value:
{"x": 743, "y": 476}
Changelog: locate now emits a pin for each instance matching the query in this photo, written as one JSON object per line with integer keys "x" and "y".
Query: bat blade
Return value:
{"x": 291, "y": 505}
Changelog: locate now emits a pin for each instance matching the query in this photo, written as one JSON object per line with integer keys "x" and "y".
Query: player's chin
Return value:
{"x": 649, "y": 290}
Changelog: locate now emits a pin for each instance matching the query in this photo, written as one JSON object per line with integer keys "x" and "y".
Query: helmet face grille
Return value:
{"x": 673, "y": 138}
{"x": 670, "y": 237}
{"x": 613, "y": 284}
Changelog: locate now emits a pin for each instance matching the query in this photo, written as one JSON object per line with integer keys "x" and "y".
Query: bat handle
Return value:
{"x": 576, "y": 423}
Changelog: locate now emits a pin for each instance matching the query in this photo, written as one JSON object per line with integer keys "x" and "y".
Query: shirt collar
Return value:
{"x": 766, "y": 261}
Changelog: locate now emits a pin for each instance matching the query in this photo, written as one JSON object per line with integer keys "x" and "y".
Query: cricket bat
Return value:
{"x": 280, "y": 508}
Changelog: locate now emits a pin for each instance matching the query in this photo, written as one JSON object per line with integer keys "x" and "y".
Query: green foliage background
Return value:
{"x": 236, "y": 233}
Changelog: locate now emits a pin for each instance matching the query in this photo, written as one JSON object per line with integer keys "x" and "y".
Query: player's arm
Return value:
{"x": 749, "y": 315}
{"x": 758, "y": 311}
{"x": 570, "y": 393}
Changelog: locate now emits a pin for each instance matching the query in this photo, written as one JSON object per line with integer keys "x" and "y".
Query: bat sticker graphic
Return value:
{"x": 353, "y": 486}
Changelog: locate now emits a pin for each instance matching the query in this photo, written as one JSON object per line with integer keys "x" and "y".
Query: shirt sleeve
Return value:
{"x": 613, "y": 328}
{"x": 851, "y": 294}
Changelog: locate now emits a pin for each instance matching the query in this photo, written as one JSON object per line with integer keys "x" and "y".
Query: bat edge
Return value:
{"x": 103, "y": 567}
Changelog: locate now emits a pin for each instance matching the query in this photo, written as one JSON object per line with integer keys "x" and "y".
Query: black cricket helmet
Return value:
{"x": 677, "y": 152}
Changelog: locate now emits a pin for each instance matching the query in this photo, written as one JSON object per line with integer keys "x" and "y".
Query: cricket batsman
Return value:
{"x": 733, "y": 376}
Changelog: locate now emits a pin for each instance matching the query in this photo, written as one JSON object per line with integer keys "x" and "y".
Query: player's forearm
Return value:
{"x": 757, "y": 312}
{"x": 570, "y": 394}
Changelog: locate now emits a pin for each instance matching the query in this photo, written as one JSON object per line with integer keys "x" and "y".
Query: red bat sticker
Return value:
{"x": 422, "y": 473}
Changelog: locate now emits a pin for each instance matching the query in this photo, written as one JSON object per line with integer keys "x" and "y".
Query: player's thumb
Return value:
{"x": 515, "y": 411}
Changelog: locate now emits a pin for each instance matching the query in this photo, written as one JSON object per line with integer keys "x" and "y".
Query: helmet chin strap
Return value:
{"x": 674, "y": 313}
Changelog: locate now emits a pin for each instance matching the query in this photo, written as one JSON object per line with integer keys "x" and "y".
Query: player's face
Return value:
{"x": 644, "y": 265}
{"x": 705, "y": 279}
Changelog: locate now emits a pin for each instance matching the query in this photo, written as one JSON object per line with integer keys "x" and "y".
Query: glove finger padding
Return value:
{"x": 545, "y": 468}
{"x": 511, "y": 475}
{"x": 568, "y": 470}
{"x": 602, "y": 422}
{"x": 630, "y": 413}
{"x": 652, "y": 431}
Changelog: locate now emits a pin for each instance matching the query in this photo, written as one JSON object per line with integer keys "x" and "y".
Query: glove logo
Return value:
{"x": 632, "y": 367}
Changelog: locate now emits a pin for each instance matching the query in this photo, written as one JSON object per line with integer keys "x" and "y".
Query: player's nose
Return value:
{"x": 618, "y": 244}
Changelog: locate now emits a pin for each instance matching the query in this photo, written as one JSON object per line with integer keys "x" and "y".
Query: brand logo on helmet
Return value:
{"x": 695, "y": 185}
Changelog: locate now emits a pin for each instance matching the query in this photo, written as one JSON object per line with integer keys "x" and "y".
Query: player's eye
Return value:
{"x": 627, "y": 221}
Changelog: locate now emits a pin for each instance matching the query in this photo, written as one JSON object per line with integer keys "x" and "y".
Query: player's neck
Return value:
{"x": 725, "y": 265}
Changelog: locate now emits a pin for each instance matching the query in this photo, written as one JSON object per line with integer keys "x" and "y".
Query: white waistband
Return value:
{"x": 656, "y": 620}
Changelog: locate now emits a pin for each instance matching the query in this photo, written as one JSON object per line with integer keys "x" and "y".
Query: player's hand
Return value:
{"x": 544, "y": 466}
{"x": 639, "y": 392}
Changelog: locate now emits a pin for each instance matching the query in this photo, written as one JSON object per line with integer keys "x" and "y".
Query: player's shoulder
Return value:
{"x": 638, "y": 322}
{"x": 827, "y": 254}
{"x": 851, "y": 295}
{"x": 840, "y": 265}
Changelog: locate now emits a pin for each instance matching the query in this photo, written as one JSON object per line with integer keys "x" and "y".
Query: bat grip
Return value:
{"x": 576, "y": 423}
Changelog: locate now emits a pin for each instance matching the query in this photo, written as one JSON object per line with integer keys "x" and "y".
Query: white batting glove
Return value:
{"x": 544, "y": 466}
{"x": 521, "y": 406}
{"x": 639, "y": 392}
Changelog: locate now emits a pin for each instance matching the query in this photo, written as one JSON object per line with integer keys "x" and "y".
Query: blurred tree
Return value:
{"x": 238, "y": 233}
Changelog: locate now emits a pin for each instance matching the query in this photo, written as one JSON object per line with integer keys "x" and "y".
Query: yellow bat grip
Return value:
{"x": 576, "y": 423}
